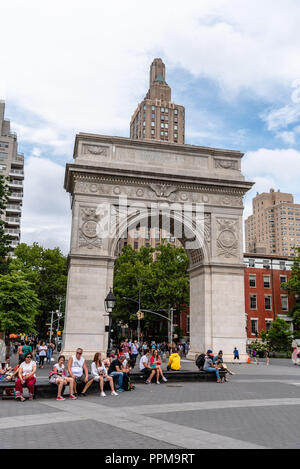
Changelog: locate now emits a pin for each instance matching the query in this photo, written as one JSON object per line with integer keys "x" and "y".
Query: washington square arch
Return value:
{"x": 116, "y": 183}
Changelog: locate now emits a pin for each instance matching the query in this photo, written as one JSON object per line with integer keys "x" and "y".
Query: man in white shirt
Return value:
{"x": 146, "y": 368}
{"x": 77, "y": 369}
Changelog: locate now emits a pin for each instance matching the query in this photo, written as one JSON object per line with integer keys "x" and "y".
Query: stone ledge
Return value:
{"x": 44, "y": 390}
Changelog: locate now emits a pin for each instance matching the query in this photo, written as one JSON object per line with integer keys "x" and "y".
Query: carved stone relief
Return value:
{"x": 227, "y": 240}
{"x": 95, "y": 150}
{"x": 88, "y": 236}
{"x": 163, "y": 190}
{"x": 226, "y": 164}
{"x": 157, "y": 192}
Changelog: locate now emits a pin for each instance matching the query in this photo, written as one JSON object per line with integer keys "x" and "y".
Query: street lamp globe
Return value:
{"x": 110, "y": 301}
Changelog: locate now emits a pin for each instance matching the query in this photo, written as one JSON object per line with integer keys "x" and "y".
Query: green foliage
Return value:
{"x": 4, "y": 239}
{"x": 296, "y": 323}
{"x": 293, "y": 284}
{"x": 279, "y": 337}
{"x": 46, "y": 270}
{"x": 259, "y": 346}
{"x": 18, "y": 304}
{"x": 161, "y": 282}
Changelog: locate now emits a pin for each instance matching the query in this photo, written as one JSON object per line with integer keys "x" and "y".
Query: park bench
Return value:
{"x": 44, "y": 389}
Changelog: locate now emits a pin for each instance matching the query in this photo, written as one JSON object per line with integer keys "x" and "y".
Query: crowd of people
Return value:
{"x": 114, "y": 370}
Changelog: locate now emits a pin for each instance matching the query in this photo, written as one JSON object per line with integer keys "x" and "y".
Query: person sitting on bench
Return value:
{"x": 146, "y": 369}
{"x": 58, "y": 377}
{"x": 209, "y": 366}
{"x": 174, "y": 361}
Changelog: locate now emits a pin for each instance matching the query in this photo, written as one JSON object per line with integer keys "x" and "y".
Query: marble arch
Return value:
{"x": 123, "y": 180}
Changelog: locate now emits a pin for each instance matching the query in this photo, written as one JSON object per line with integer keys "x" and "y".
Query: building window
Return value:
{"x": 2, "y": 167}
{"x": 266, "y": 264}
{"x": 252, "y": 281}
{"x": 253, "y": 302}
{"x": 175, "y": 135}
{"x": 284, "y": 303}
{"x": 268, "y": 303}
{"x": 152, "y": 124}
{"x": 152, "y": 132}
{"x": 175, "y": 127}
{"x": 254, "y": 326}
{"x": 166, "y": 110}
{"x": 282, "y": 265}
{"x": 3, "y": 145}
{"x": 283, "y": 279}
{"x": 162, "y": 109}
{"x": 268, "y": 324}
{"x": 3, "y": 155}
{"x": 162, "y": 126}
{"x": 188, "y": 324}
{"x": 136, "y": 245}
{"x": 175, "y": 111}
{"x": 153, "y": 108}
{"x": 251, "y": 263}
{"x": 267, "y": 281}
{"x": 153, "y": 116}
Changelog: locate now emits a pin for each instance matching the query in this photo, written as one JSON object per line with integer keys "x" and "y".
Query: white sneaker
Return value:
{"x": 164, "y": 379}
{"x": 157, "y": 382}
{"x": 114, "y": 393}
{"x": 103, "y": 394}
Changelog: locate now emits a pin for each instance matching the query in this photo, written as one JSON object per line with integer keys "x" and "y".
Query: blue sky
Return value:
{"x": 233, "y": 65}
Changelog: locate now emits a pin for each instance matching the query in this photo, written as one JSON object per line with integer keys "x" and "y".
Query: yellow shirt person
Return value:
{"x": 174, "y": 361}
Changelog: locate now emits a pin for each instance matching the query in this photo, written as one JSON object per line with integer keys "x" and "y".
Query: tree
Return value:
{"x": 18, "y": 304}
{"x": 159, "y": 281}
{"x": 293, "y": 288}
{"x": 293, "y": 284}
{"x": 46, "y": 270}
{"x": 279, "y": 337}
{"x": 4, "y": 239}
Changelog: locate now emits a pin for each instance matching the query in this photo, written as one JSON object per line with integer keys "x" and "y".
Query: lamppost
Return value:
{"x": 109, "y": 303}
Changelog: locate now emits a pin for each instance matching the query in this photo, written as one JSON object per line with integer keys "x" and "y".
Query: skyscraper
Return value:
{"x": 12, "y": 167}
{"x": 274, "y": 227}
{"x": 157, "y": 117}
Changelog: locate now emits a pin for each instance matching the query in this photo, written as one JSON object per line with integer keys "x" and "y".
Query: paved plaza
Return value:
{"x": 258, "y": 408}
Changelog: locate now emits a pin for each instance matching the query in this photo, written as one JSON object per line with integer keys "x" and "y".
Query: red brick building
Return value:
{"x": 265, "y": 300}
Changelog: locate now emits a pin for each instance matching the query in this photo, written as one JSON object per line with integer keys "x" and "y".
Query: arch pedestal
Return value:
{"x": 115, "y": 181}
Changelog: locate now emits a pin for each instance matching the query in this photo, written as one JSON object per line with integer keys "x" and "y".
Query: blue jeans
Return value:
{"x": 49, "y": 354}
{"x": 119, "y": 374}
{"x": 213, "y": 370}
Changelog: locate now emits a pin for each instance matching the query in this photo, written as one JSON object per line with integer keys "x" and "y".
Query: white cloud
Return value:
{"x": 85, "y": 69}
{"x": 282, "y": 117}
{"x": 46, "y": 214}
{"x": 287, "y": 137}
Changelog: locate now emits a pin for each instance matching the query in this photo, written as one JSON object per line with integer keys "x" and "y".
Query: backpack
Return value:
{"x": 126, "y": 383}
{"x": 200, "y": 360}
